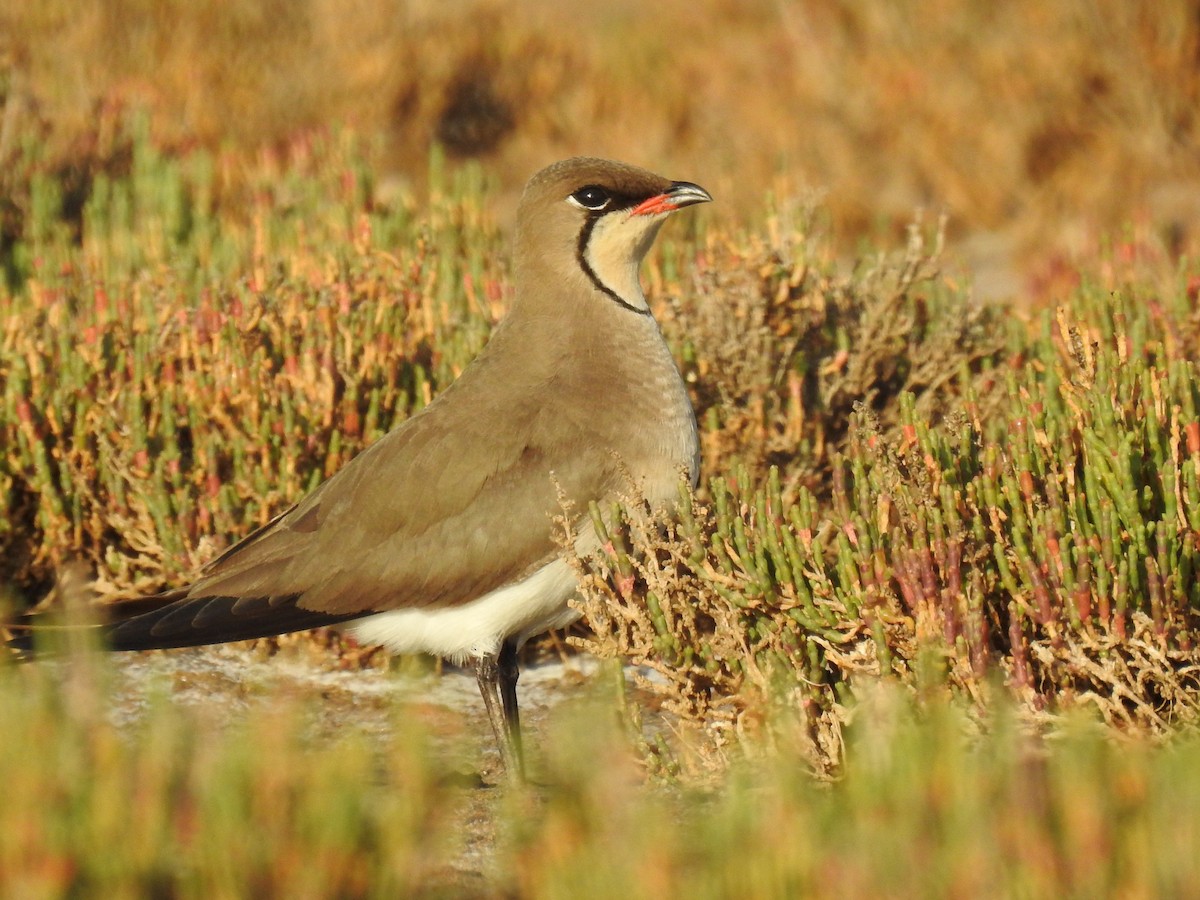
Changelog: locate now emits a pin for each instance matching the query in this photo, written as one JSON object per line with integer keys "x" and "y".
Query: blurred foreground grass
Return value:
{"x": 932, "y": 803}
{"x": 176, "y": 806}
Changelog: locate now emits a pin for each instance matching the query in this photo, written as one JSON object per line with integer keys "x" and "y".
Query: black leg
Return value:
{"x": 497, "y": 678}
{"x": 509, "y": 672}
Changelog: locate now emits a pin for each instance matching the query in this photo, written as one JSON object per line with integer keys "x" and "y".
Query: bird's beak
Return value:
{"x": 681, "y": 194}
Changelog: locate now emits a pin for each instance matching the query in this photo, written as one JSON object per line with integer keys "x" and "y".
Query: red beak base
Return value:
{"x": 681, "y": 194}
{"x": 660, "y": 204}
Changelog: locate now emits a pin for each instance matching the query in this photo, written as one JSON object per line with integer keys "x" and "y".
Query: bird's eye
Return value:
{"x": 591, "y": 197}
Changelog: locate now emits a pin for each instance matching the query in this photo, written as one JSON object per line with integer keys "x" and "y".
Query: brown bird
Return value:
{"x": 439, "y": 538}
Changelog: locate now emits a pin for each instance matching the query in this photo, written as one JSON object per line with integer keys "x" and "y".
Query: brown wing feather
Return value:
{"x": 454, "y": 503}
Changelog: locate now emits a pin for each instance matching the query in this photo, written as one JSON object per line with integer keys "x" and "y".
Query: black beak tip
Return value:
{"x": 685, "y": 193}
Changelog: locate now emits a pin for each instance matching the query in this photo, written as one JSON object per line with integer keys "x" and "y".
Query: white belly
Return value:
{"x": 477, "y": 628}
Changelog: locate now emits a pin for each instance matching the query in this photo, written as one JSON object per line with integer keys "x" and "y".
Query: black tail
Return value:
{"x": 172, "y": 619}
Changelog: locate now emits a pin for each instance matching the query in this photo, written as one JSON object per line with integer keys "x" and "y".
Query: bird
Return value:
{"x": 439, "y": 538}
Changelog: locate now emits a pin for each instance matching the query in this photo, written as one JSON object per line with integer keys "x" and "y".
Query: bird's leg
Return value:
{"x": 509, "y": 672}
{"x": 497, "y": 678}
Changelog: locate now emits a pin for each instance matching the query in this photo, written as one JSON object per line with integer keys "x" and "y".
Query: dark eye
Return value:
{"x": 591, "y": 197}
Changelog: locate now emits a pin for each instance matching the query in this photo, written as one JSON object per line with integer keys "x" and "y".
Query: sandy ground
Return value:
{"x": 230, "y": 679}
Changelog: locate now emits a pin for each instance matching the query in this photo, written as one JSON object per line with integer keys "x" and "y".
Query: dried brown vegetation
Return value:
{"x": 1037, "y": 127}
{"x": 781, "y": 349}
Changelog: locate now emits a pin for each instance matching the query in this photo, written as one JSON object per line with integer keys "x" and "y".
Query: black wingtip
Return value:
{"x": 197, "y": 621}
{"x": 172, "y": 620}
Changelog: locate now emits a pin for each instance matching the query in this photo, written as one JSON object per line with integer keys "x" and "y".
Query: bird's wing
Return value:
{"x": 452, "y": 504}
{"x": 439, "y": 512}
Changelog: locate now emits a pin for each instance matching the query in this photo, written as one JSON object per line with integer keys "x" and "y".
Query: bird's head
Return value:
{"x": 588, "y": 223}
